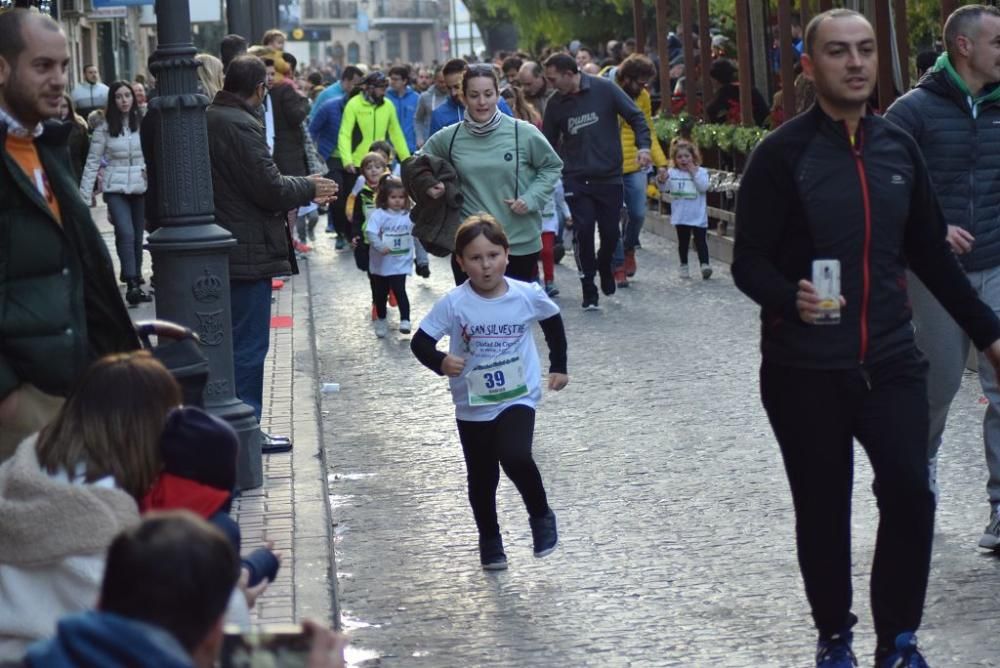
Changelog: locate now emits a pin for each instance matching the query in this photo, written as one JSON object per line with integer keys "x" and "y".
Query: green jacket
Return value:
{"x": 488, "y": 175}
{"x": 363, "y": 124}
{"x": 60, "y": 307}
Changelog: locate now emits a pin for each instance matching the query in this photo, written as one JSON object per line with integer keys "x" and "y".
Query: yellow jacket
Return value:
{"x": 629, "y": 151}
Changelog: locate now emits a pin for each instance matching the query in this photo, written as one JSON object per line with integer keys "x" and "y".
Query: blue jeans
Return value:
{"x": 128, "y": 217}
{"x": 635, "y": 205}
{"x": 251, "y": 305}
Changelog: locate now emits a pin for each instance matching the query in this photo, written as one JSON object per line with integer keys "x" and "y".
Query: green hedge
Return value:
{"x": 710, "y": 135}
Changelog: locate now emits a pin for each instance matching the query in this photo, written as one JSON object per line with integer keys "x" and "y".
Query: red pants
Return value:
{"x": 548, "y": 257}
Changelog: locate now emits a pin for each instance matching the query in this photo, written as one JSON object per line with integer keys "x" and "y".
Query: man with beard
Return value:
{"x": 60, "y": 308}
{"x": 840, "y": 184}
{"x": 368, "y": 118}
{"x": 536, "y": 88}
{"x": 634, "y": 75}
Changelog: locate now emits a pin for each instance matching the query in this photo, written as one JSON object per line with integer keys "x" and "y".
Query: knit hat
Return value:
{"x": 200, "y": 447}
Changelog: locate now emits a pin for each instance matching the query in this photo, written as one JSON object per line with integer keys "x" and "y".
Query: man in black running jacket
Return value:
{"x": 838, "y": 183}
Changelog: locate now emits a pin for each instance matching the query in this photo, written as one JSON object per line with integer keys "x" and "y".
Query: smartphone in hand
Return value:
{"x": 279, "y": 645}
{"x": 826, "y": 280}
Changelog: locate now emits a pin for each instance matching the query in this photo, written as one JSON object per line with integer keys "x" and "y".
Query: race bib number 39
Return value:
{"x": 496, "y": 382}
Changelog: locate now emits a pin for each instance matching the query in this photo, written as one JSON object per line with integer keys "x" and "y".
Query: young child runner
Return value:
{"x": 421, "y": 260}
{"x": 550, "y": 229}
{"x": 495, "y": 379}
{"x": 389, "y": 234}
{"x": 372, "y": 168}
{"x": 688, "y": 182}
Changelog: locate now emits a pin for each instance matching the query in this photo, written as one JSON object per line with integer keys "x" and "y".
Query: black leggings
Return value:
{"x": 380, "y": 288}
{"x": 504, "y": 441}
{"x": 684, "y": 233}
{"x": 521, "y": 267}
{"x": 816, "y": 414}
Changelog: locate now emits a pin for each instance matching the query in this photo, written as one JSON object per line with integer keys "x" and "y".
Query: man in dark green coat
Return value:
{"x": 59, "y": 304}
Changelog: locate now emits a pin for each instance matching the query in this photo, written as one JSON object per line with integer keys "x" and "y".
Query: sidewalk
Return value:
{"x": 290, "y": 508}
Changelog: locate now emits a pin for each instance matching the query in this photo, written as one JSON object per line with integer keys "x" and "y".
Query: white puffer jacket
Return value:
{"x": 126, "y": 169}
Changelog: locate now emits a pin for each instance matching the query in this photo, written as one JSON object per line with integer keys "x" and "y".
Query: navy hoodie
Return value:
{"x": 583, "y": 128}
{"x": 107, "y": 640}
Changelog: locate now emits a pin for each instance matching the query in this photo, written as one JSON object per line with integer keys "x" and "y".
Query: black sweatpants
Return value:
{"x": 684, "y": 233}
{"x": 504, "y": 441}
{"x": 337, "y": 211}
{"x": 381, "y": 286}
{"x": 815, "y": 415}
{"x": 595, "y": 205}
{"x": 521, "y": 267}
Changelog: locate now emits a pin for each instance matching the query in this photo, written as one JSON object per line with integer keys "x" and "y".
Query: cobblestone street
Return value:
{"x": 675, "y": 519}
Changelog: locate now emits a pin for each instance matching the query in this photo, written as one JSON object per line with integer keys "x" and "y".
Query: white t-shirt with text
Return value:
{"x": 495, "y": 338}
{"x": 392, "y": 230}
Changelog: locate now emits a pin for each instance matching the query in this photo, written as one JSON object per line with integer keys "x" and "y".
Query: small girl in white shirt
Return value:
{"x": 390, "y": 242}
{"x": 688, "y": 183}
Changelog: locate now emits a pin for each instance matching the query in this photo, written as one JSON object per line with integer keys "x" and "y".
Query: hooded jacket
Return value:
{"x": 107, "y": 640}
{"x": 53, "y": 538}
{"x": 251, "y": 196}
{"x": 435, "y": 221}
{"x": 959, "y": 136}
{"x": 811, "y": 192}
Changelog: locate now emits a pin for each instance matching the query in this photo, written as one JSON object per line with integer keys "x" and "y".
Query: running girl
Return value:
{"x": 373, "y": 166}
{"x": 495, "y": 379}
{"x": 389, "y": 233}
{"x": 688, "y": 182}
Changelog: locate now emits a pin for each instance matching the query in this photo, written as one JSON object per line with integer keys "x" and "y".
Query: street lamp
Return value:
{"x": 190, "y": 252}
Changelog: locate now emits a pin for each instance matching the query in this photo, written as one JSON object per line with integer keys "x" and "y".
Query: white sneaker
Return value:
{"x": 381, "y": 328}
{"x": 404, "y": 326}
{"x": 991, "y": 535}
{"x": 706, "y": 271}
{"x": 685, "y": 272}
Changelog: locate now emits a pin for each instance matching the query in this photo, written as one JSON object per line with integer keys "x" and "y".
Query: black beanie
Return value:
{"x": 200, "y": 447}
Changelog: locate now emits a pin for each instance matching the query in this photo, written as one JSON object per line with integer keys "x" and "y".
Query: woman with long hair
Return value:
{"x": 116, "y": 141}
{"x": 508, "y": 170}
{"x": 209, "y": 74}
{"x": 79, "y": 135}
{"x": 520, "y": 106}
{"x": 69, "y": 489}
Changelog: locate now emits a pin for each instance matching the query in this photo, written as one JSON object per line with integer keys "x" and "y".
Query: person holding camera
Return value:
{"x": 163, "y": 602}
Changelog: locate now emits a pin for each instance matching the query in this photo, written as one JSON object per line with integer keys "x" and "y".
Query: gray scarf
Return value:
{"x": 482, "y": 129}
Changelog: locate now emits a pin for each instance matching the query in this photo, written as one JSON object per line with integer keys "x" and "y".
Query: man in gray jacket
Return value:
{"x": 251, "y": 198}
{"x": 581, "y": 123}
{"x": 954, "y": 114}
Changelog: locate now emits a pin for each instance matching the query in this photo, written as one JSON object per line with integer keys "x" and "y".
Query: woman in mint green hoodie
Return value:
{"x": 506, "y": 168}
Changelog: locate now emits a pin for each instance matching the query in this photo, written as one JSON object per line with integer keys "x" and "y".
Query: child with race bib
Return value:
{"x": 390, "y": 244}
{"x": 688, "y": 182}
{"x": 495, "y": 379}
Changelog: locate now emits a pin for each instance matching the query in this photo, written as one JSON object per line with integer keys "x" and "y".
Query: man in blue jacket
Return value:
{"x": 405, "y": 100}
{"x": 954, "y": 114}
{"x": 839, "y": 183}
{"x": 325, "y": 130}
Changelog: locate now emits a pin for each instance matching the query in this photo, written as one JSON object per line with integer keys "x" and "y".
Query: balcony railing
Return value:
{"x": 320, "y": 10}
